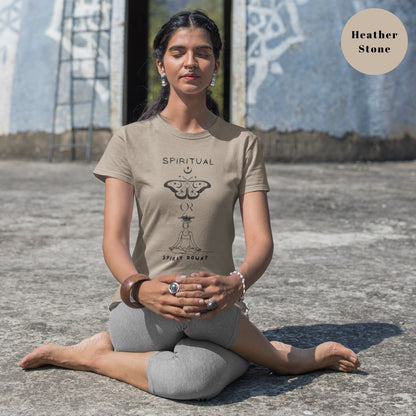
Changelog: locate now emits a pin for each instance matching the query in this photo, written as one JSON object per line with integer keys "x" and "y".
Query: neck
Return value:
{"x": 188, "y": 114}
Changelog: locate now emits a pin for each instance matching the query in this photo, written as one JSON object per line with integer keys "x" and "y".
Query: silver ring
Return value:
{"x": 212, "y": 304}
{"x": 173, "y": 288}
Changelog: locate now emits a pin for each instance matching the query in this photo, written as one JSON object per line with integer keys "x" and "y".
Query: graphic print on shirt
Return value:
{"x": 186, "y": 188}
{"x": 185, "y": 244}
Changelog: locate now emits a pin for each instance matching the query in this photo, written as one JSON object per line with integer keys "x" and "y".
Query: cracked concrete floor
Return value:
{"x": 344, "y": 269}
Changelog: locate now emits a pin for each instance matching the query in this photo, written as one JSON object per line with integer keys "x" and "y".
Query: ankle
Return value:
{"x": 97, "y": 360}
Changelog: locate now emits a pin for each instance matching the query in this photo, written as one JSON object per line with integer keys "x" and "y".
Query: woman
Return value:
{"x": 181, "y": 331}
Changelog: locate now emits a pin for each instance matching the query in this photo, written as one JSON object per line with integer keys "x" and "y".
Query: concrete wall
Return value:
{"x": 299, "y": 83}
{"x": 30, "y": 38}
{"x": 291, "y": 83}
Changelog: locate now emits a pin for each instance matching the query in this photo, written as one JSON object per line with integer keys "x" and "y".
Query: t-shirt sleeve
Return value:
{"x": 254, "y": 176}
{"x": 114, "y": 161}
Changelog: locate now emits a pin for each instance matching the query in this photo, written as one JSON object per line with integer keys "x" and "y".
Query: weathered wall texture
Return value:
{"x": 299, "y": 83}
{"x": 30, "y": 39}
{"x": 302, "y": 97}
{"x": 30, "y": 33}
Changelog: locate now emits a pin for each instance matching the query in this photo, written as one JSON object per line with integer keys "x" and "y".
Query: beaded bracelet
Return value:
{"x": 242, "y": 280}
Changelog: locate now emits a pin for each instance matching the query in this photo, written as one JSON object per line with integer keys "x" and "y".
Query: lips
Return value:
{"x": 190, "y": 75}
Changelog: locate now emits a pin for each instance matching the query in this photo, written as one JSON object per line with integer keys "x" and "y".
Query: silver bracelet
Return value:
{"x": 242, "y": 280}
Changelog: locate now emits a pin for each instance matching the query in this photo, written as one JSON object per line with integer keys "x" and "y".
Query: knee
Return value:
{"x": 196, "y": 370}
{"x": 183, "y": 383}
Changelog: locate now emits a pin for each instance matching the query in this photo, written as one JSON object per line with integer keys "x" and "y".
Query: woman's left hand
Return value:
{"x": 225, "y": 290}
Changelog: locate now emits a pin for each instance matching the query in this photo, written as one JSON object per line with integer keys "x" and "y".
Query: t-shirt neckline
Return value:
{"x": 184, "y": 135}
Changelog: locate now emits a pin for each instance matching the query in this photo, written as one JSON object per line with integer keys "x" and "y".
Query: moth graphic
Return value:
{"x": 187, "y": 187}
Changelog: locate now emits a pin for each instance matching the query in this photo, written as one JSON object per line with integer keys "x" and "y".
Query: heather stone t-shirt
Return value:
{"x": 186, "y": 186}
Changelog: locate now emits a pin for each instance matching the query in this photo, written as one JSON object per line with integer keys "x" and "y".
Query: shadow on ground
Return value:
{"x": 358, "y": 337}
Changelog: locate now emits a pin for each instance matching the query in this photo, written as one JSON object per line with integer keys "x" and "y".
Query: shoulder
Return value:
{"x": 231, "y": 130}
{"x": 136, "y": 126}
{"x": 225, "y": 130}
{"x": 239, "y": 138}
{"x": 129, "y": 133}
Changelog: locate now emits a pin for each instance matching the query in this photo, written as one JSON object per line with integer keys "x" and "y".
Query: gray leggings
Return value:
{"x": 193, "y": 360}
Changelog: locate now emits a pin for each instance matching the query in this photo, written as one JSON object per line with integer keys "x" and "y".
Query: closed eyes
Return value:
{"x": 203, "y": 52}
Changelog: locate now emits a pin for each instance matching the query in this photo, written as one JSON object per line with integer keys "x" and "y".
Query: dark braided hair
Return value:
{"x": 194, "y": 18}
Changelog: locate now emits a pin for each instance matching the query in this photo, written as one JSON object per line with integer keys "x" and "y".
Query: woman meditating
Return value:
{"x": 178, "y": 327}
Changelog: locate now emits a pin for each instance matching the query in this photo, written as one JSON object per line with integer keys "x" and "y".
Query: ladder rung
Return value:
{"x": 75, "y": 103}
{"x": 95, "y": 128}
{"x": 90, "y": 31}
{"x": 69, "y": 145}
{"x": 91, "y": 78}
{"x": 77, "y": 59}
{"x": 86, "y": 16}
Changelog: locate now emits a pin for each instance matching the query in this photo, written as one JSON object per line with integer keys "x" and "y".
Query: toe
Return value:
{"x": 25, "y": 363}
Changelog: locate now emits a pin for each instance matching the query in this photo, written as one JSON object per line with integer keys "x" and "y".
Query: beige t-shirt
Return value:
{"x": 186, "y": 186}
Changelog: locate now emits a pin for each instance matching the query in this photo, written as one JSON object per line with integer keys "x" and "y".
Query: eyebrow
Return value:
{"x": 183, "y": 47}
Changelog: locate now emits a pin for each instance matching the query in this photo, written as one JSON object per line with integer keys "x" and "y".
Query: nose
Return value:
{"x": 190, "y": 61}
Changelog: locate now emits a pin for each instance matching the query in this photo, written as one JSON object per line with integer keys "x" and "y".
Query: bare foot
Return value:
{"x": 75, "y": 357}
{"x": 335, "y": 356}
{"x": 329, "y": 355}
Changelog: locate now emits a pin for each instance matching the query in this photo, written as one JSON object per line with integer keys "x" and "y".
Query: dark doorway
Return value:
{"x": 135, "y": 72}
{"x": 226, "y": 58}
{"x": 137, "y": 82}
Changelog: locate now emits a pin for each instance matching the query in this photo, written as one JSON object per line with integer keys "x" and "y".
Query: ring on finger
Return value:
{"x": 173, "y": 288}
{"x": 212, "y": 304}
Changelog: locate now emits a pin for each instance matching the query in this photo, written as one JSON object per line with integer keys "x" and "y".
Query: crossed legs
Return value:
{"x": 96, "y": 354}
{"x": 195, "y": 370}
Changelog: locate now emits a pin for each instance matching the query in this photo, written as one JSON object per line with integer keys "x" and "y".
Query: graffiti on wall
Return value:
{"x": 80, "y": 39}
{"x": 361, "y": 4}
{"x": 10, "y": 18}
{"x": 273, "y": 27}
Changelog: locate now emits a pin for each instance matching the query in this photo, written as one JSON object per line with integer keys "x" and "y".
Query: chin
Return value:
{"x": 190, "y": 90}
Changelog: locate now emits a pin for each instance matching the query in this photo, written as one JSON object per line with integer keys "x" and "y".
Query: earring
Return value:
{"x": 214, "y": 77}
{"x": 163, "y": 80}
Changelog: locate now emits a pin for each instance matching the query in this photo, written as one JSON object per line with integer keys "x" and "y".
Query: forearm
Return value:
{"x": 118, "y": 259}
{"x": 258, "y": 236}
{"x": 258, "y": 256}
{"x": 118, "y": 211}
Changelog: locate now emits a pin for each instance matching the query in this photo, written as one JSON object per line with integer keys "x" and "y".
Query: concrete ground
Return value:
{"x": 344, "y": 269}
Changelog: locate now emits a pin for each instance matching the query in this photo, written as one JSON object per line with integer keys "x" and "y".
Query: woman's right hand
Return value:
{"x": 154, "y": 294}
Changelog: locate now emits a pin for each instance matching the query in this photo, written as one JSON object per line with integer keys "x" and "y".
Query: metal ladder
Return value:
{"x": 83, "y": 73}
